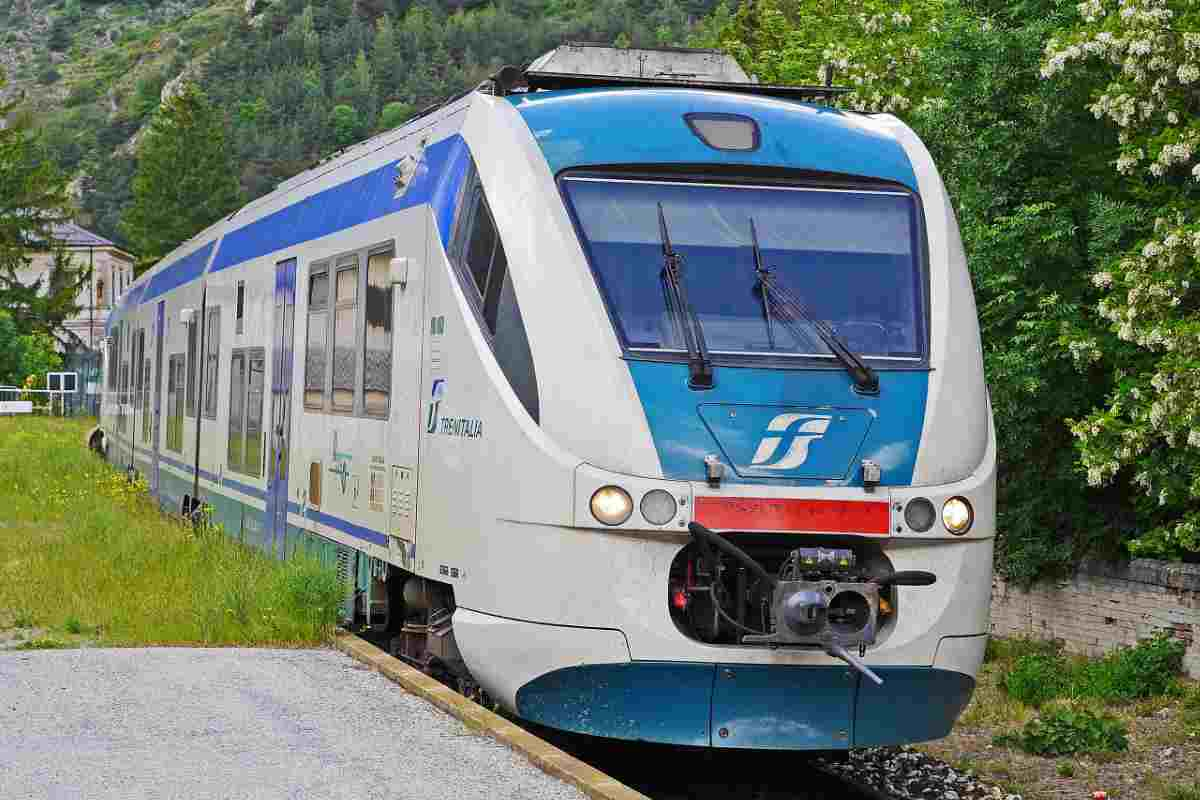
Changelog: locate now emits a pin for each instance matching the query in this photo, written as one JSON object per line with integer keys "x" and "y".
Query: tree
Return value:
{"x": 393, "y": 115}
{"x": 33, "y": 199}
{"x": 185, "y": 176}
{"x": 1147, "y": 428}
{"x": 346, "y": 125}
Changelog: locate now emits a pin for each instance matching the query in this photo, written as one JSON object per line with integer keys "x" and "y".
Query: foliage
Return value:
{"x": 1146, "y": 54}
{"x": 33, "y": 199}
{"x": 1149, "y": 669}
{"x": 875, "y": 46}
{"x": 1037, "y": 679}
{"x": 185, "y": 178}
{"x": 1063, "y": 731}
{"x": 84, "y": 544}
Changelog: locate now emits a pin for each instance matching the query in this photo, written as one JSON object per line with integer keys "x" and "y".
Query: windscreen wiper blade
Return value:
{"x": 761, "y": 272}
{"x": 700, "y": 373}
{"x": 791, "y": 310}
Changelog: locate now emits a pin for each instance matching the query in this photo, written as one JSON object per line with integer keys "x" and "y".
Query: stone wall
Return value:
{"x": 1105, "y": 606}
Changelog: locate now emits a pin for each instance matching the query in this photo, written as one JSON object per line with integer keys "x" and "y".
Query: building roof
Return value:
{"x": 72, "y": 235}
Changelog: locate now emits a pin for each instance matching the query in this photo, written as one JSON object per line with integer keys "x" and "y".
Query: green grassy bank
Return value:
{"x": 86, "y": 555}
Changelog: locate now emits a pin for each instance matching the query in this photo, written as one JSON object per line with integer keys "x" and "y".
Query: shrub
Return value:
{"x": 1064, "y": 731}
{"x": 1037, "y": 678}
{"x": 1147, "y": 670}
{"x": 48, "y": 76}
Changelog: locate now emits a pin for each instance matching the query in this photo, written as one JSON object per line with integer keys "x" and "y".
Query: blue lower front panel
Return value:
{"x": 764, "y": 707}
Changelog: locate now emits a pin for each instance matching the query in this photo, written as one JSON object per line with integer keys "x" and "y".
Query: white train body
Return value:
{"x": 473, "y": 459}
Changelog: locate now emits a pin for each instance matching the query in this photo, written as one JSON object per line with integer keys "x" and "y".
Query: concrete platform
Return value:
{"x": 237, "y": 723}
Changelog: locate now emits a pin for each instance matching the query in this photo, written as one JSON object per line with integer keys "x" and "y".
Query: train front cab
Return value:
{"x": 586, "y": 625}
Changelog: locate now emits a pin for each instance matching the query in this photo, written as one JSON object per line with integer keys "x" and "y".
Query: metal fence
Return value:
{"x": 61, "y": 398}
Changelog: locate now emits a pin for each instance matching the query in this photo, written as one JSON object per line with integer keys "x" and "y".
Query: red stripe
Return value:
{"x": 775, "y": 514}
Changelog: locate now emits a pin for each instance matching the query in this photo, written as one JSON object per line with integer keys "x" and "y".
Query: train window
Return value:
{"x": 237, "y": 410}
{"x": 255, "y": 381}
{"x": 345, "y": 354}
{"x": 377, "y": 334}
{"x": 314, "y": 359}
{"x": 191, "y": 368}
{"x": 240, "y": 315}
{"x": 212, "y": 354}
{"x": 111, "y": 378}
{"x": 245, "y": 439}
{"x": 146, "y": 381}
{"x": 483, "y": 265}
{"x": 175, "y": 389}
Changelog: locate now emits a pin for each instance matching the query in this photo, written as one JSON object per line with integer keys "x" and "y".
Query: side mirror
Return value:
{"x": 398, "y": 271}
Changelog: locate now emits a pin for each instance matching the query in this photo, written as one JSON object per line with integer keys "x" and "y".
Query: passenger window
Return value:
{"x": 245, "y": 411}
{"x": 377, "y": 335}
{"x": 175, "y": 388}
{"x": 484, "y": 265}
{"x": 212, "y": 351}
{"x": 237, "y": 395}
{"x": 345, "y": 360}
{"x": 240, "y": 316}
{"x": 314, "y": 360}
{"x": 191, "y": 367}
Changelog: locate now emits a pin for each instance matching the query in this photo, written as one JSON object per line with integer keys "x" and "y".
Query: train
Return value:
{"x": 639, "y": 396}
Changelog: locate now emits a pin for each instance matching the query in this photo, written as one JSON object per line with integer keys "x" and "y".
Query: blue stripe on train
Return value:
{"x": 646, "y": 126}
{"x": 682, "y": 420}
{"x": 358, "y": 200}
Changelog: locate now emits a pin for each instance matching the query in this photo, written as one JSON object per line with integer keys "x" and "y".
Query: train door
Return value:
{"x": 404, "y": 421}
{"x": 283, "y": 323}
{"x": 159, "y": 335}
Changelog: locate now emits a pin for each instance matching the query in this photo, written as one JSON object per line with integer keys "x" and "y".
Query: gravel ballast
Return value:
{"x": 236, "y": 723}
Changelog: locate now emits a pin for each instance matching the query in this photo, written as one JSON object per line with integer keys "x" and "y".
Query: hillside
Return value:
{"x": 296, "y": 78}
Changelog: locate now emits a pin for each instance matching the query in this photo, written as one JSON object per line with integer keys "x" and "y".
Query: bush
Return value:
{"x": 48, "y": 76}
{"x": 1064, "y": 731}
{"x": 1037, "y": 678}
{"x": 1147, "y": 670}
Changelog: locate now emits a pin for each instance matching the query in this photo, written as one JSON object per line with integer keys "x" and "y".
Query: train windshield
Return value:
{"x": 850, "y": 256}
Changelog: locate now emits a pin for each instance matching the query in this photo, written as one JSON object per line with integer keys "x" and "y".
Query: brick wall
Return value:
{"x": 1105, "y": 606}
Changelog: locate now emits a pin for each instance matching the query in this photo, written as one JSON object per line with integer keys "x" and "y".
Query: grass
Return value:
{"x": 86, "y": 555}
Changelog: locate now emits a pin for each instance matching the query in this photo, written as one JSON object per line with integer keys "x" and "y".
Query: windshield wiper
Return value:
{"x": 761, "y": 272}
{"x": 793, "y": 309}
{"x": 700, "y": 373}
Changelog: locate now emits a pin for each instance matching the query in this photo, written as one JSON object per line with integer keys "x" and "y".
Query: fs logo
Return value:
{"x": 436, "y": 394}
{"x": 788, "y": 437}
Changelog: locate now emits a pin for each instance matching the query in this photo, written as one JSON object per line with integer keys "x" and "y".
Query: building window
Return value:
{"x": 377, "y": 334}
{"x": 483, "y": 271}
{"x": 345, "y": 354}
{"x": 212, "y": 353}
{"x": 314, "y": 358}
{"x": 192, "y": 329}
{"x": 175, "y": 389}
{"x": 239, "y": 325}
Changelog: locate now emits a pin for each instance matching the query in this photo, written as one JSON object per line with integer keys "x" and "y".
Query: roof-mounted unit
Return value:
{"x": 577, "y": 65}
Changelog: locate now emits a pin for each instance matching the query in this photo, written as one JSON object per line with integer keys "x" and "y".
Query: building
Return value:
{"x": 109, "y": 269}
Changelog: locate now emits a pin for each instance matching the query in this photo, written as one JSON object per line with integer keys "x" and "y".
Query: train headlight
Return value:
{"x": 919, "y": 514}
{"x": 611, "y": 505}
{"x": 658, "y": 507}
{"x": 957, "y": 515}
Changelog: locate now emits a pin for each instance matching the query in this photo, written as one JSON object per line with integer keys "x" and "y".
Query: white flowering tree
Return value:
{"x": 874, "y": 46}
{"x": 1149, "y": 428}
